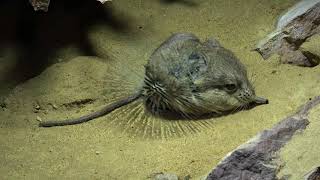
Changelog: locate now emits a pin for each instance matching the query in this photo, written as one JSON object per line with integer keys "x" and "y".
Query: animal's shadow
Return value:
{"x": 189, "y": 3}
{"x": 175, "y": 115}
{"x": 139, "y": 121}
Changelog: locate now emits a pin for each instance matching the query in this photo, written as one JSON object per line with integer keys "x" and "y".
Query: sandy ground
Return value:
{"x": 128, "y": 144}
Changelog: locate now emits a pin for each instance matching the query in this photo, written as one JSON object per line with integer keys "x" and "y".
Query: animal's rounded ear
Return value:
{"x": 197, "y": 65}
{"x": 197, "y": 58}
{"x": 212, "y": 43}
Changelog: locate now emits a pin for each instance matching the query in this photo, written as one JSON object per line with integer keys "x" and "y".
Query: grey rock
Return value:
{"x": 313, "y": 174}
{"x": 255, "y": 159}
{"x": 38, "y": 5}
{"x": 165, "y": 176}
{"x": 43, "y": 5}
{"x": 293, "y": 29}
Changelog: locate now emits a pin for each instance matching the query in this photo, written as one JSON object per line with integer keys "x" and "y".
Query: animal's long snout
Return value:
{"x": 259, "y": 100}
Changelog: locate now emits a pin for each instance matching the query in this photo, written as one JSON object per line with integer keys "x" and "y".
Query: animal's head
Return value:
{"x": 223, "y": 84}
{"x": 200, "y": 81}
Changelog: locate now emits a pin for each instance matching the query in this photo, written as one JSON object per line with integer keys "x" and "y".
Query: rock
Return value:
{"x": 40, "y": 5}
{"x": 36, "y": 108}
{"x": 256, "y": 159}
{"x": 164, "y": 176}
{"x": 38, "y": 119}
{"x": 54, "y": 106}
{"x": 293, "y": 29}
{"x": 79, "y": 103}
{"x": 43, "y": 5}
{"x": 313, "y": 174}
{"x": 98, "y": 152}
{"x": 103, "y": 1}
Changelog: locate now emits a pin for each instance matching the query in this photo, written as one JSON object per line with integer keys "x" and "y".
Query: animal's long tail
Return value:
{"x": 107, "y": 109}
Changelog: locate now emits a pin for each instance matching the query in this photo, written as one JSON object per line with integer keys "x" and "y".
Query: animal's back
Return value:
{"x": 183, "y": 56}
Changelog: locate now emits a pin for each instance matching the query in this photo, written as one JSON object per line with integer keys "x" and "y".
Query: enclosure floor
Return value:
{"x": 127, "y": 144}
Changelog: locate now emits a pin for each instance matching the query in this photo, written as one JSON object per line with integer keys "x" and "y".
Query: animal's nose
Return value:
{"x": 260, "y": 100}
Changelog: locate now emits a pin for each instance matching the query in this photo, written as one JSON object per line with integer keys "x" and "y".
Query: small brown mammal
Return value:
{"x": 189, "y": 78}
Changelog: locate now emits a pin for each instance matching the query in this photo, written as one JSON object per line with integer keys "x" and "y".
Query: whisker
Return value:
{"x": 218, "y": 111}
{"x": 195, "y": 109}
{"x": 185, "y": 104}
{"x": 244, "y": 107}
{"x": 237, "y": 109}
{"x": 182, "y": 113}
{"x": 252, "y": 79}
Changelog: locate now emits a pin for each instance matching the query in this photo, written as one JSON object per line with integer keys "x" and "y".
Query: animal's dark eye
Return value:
{"x": 231, "y": 87}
